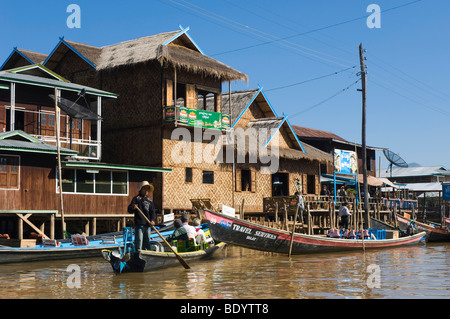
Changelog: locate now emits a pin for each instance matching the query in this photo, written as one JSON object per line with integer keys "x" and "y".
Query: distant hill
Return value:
{"x": 414, "y": 165}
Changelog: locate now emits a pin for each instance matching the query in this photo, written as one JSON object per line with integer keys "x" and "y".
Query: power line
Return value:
{"x": 310, "y": 80}
{"x": 408, "y": 97}
{"x": 314, "y": 30}
{"x": 255, "y": 32}
{"x": 324, "y": 101}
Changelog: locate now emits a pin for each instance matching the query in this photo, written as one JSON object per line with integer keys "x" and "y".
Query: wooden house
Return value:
{"x": 165, "y": 82}
{"x": 29, "y": 192}
{"x": 330, "y": 143}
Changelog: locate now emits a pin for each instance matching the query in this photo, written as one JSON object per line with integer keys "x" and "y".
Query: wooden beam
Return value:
{"x": 25, "y": 219}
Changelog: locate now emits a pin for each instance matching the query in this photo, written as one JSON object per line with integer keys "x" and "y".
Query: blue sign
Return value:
{"x": 446, "y": 191}
{"x": 345, "y": 162}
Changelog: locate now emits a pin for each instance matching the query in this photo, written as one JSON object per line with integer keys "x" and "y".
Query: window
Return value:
{"x": 51, "y": 119}
{"x": 9, "y": 172}
{"x": 120, "y": 182}
{"x": 246, "y": 180}
{"x": 208, "y": 177}
{"x": 68, "y": 180}
{"x": 311, "y": 184}
{"x": 83, "y": 181}
{"x": 103, "y": 182}
{"x": 188, "y": 178}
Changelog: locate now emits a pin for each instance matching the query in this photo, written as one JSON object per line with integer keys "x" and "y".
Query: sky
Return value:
{"x": 304, "y": 54}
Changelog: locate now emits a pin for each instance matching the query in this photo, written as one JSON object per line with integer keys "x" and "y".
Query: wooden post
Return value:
{"x": 286, "y": 217}
{"x": 333, "y": 213}
{"x": 242, "y": 209}
{"x": 94, "y": 226}
{"x": 58, "y": 146}
{"x": 276, "y": 212}
{"x": 395, "y": 216}
{"x": 20, "y": 228}
{"x": 308, "y": 213}
{"x": 86, "y": 227}
{"x": 52, "y": 226}
{"x": 331, "y": 216}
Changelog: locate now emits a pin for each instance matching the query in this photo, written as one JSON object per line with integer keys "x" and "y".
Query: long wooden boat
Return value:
{"x": 447, "y": 223}
{"x": 250, "y": 235}
{"x": 66, "y": 250}
{"x": 147, "y": 260}
{"x": 433, "y": 234}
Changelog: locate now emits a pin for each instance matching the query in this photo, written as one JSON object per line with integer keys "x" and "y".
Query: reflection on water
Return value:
{"x": 413, "y": 272}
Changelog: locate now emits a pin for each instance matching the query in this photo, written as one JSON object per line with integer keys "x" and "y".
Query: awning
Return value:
{"x": 325, "y": 178}
{"x": 371, "y": 181}
{"x": 387, "y": 182}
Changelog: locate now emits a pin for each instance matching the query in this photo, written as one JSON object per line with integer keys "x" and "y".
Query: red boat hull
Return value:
{"x": 433, "y": 234}
{"x": 246, "y": 234}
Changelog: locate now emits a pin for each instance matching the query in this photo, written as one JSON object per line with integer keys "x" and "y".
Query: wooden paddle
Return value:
{"x": 180, "y": 259}
{"x": 292, "y": 233}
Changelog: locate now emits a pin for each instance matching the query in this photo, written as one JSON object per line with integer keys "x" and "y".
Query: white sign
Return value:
{"x": 168, "y": 218}
{"x": 227, "y": 210}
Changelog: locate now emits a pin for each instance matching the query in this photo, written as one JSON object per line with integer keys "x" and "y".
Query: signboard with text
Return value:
{"x": 446, "y": 191}
{"x": 198, "y": 118}
{"x": 345, "y": 162}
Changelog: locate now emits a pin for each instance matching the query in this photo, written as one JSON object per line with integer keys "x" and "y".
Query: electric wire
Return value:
{"x": 310, "y": 80}
{"x": 324, "y": 101}
{"x": 314, "y": 30}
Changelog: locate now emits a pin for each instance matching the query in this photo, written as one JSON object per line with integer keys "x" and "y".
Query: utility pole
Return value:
{"x": 363, "y": 138}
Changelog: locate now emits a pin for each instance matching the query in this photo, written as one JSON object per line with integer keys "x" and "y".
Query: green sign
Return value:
{"x": 198, "y": 118}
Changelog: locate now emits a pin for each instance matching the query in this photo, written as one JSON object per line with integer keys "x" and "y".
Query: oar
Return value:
{"x": 180, "y": 259}
{"x": 292, "y": 234}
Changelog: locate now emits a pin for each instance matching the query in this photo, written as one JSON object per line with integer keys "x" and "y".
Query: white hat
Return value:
{"x": 145, "y": 183}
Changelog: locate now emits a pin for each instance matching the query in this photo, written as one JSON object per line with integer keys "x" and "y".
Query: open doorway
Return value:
{"x": 280, "y": 184}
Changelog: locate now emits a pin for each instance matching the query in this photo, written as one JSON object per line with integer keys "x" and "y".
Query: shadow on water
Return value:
{"x": 242, "y": 273}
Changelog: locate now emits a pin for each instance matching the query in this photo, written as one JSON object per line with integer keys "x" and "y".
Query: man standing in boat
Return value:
{"x": 142, "y": 229}
{"x": 344, "y": 213}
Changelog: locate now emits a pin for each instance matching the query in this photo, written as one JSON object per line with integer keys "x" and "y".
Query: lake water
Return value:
{"x": 421, "y": 271}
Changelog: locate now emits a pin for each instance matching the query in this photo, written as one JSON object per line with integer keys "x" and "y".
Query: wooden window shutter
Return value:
{"x": 3, "y": 172}
{"x": 238, "y": 180}
{"x": 317, "y": 185}
{"x": 169, "y": 93}
{"x": 304, "y": 183}
{"x": 253, "y": 178}
{"x": 190, "y": 96}
{"x": 13, "y": 172}
{"x": 2, "y": 115}
{"x": 9, "y": 172}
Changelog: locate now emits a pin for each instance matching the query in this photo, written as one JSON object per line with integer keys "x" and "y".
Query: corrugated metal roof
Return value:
{"x": 20, "y": 141}
{"x": 310, "y": 132}
{"x": 415, "y": 171}
{"x": 46, "y": 82}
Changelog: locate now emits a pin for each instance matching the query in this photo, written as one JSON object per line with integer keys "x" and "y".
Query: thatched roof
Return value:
{"x": 174, "y": 47}
{"x": 133, "y": 51}
{"x": 311, "y": 153}
{"x": 196, "y": 62}
{"x": 21, "y": 57}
